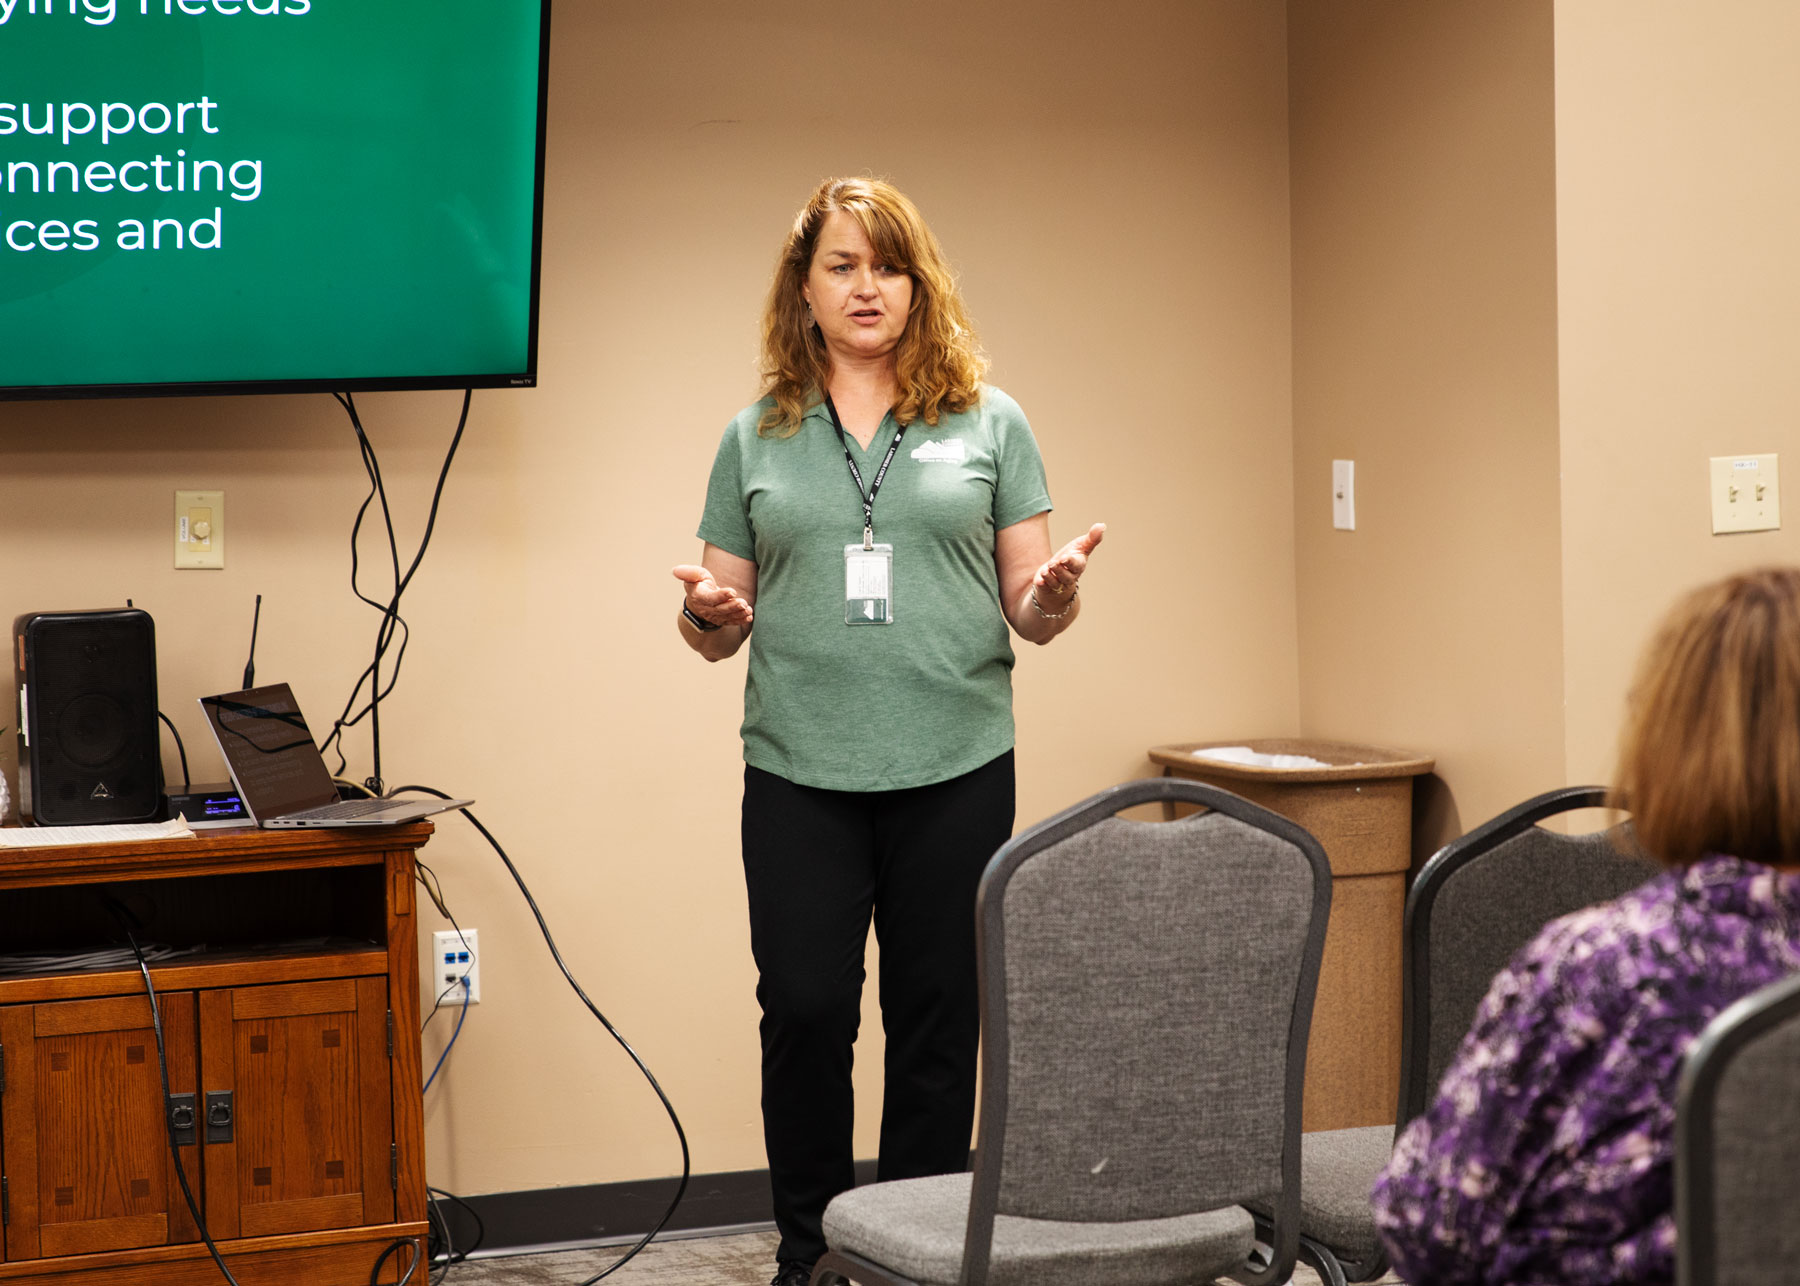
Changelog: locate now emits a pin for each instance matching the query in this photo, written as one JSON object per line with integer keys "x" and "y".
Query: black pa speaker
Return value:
{"x": 88, "y": 743}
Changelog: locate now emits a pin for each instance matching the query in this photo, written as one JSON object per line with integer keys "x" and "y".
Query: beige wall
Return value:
{"x": 1112, "y": 181}
{"x": 1679, "y": 308}
{"x": 1538, "y": 272}
{"x": 1543, "y": 269}
{"x": 1424, "y": 349}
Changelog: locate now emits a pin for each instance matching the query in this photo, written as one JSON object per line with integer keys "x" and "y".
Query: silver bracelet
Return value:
{"x": 1055, "y": 616}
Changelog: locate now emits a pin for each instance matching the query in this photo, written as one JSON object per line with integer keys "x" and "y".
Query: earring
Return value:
{"x": 810, "y": 319}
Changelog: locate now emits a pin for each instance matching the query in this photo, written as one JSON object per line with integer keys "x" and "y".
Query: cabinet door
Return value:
{"x": 312, "y": 1131}
{"x": 85, "y": 1147}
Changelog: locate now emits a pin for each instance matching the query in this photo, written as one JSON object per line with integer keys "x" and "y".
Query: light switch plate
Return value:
{"x": 1746, "y": 493}
{"x": 199, "y": 529}
{"x": 1343, "y": 495}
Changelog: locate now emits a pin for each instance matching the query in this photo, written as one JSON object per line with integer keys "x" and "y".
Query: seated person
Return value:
{"x": 1548, "y": 1154}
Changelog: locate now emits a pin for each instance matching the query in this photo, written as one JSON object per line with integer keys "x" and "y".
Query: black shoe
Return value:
{"x": 792, "y": 1273}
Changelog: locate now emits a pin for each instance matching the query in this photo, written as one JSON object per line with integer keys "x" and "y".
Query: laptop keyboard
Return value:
{"x": 346, "y": 808}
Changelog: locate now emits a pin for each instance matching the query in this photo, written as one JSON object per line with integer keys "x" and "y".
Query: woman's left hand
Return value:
{"x": 1056, "y": 579}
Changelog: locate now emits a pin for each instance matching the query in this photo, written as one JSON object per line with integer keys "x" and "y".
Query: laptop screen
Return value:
{"x": 271, "y": 754}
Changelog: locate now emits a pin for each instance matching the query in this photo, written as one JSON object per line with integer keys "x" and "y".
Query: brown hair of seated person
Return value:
{"x": 1709, "y": 760}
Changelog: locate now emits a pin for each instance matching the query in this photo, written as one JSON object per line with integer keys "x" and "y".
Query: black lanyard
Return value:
{"x": 856, "y": 473}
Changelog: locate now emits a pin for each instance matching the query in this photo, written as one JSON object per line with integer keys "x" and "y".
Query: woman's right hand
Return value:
{"x": 711, "y": 601}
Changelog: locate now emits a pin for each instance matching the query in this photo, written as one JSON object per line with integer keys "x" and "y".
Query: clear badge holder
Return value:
{"x": 868, "y": 585}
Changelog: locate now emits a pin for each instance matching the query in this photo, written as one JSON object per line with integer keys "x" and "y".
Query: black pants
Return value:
{"x": 818, "y": 865}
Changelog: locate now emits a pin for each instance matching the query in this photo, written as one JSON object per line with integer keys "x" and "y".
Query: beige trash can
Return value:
{"x": 1359, "y": 808}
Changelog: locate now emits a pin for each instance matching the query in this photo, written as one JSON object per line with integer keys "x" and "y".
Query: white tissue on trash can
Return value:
{"x": 1256, "y": 758}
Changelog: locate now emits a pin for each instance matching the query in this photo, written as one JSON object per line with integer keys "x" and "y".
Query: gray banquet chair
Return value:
{"x": 1146, "y": 994}
{"x": 1737, "y": 1146}
{"x": 1474, "y": 904}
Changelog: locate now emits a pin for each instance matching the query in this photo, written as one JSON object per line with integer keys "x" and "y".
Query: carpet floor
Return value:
{"x": 738, "y": 1259}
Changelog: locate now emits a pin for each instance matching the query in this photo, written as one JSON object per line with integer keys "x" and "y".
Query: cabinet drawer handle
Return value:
{"x": 218, "y": 1116}
{"x": 181, "y": 1118}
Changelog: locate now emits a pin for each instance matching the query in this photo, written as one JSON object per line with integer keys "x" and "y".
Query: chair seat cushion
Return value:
{"x": 1337, "y": 1169}
{"x": 915, "y": 1227}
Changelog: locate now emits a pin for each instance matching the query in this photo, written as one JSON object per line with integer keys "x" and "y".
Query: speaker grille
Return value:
{"x": 94, "y": 754}
{"x": 93, "y": 729}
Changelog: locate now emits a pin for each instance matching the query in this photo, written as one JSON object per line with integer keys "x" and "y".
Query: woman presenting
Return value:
{"x": 873, "y": 526}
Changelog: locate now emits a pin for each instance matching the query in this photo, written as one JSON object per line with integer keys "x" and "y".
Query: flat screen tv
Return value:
{"x": 246, "y": 196}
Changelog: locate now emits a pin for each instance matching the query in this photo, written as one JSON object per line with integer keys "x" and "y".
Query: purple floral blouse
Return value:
{"x": 1548, "y": 1155}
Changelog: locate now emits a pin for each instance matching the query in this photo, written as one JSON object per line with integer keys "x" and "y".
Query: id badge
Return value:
{"x": 868, "y": 585}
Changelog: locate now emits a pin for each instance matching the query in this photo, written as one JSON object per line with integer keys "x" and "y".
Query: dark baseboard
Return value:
{"x": 600, "y": 1213}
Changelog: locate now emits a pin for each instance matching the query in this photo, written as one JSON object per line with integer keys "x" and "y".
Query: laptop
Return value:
{"x": 280, "y": 774}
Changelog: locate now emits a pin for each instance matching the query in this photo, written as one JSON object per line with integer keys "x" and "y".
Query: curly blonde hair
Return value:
{"x": 1709, "y": 761}
{"x": 938, "y": 362}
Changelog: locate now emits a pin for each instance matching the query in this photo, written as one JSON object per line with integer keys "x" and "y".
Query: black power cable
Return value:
{"x": 391, "y": 621}
{"x": 437, "y": 897}
{"x": 439, "y": 1244}
{"x": 409, "y": 1243}
{"x": 449, "y": 1256}
{"x": 550, "y": 941}
{"x": 179, "y": 748}
{"x": 461, "y": 1014}
{"x": 162, "y": 1063}
{"x": 466, "y": 1208}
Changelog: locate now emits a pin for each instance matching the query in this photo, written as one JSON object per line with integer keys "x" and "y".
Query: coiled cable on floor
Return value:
{"x": 411, "y": 1243}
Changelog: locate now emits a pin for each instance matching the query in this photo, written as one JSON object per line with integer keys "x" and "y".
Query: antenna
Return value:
{"x": 250, "y": 665}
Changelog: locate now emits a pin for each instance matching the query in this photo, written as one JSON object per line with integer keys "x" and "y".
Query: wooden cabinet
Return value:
{"x": 307, "y": 1065}
{"x": 289, "y": 1012}
{"x": 86, "y": 1158}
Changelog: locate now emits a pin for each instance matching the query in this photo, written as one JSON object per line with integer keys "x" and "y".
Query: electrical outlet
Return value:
{"x": 454, "y": 956}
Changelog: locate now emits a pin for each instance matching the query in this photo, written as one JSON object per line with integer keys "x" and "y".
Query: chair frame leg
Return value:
{"x": 1323, "y": 1262}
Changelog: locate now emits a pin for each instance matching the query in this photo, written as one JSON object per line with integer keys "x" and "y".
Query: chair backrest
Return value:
{"x": 1147, "y": 992}
{"x": 1737, "y": 1145}
{"x": 1476, "y": 902}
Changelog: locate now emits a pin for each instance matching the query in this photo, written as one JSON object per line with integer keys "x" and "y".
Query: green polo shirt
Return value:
{"x": 877, "y": 707}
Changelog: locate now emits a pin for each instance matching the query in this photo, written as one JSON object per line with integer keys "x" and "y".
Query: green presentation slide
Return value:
{"x": 201, "y": 191}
